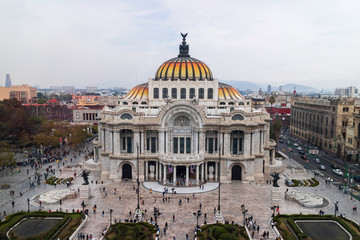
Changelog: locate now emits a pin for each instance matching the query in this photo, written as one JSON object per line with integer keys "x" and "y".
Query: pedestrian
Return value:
{"x": 200, "y": 206}
{"x": 130, "y": 213}
{"x": 267, "y": 234}
{"x": 164, "y": 231}
{"x": 166, "y": 224}
{"x": 103, "y": 213}
{"x": 173, "y": 217}
{"x": 214, "y": 210}
{"x": 119, "y": 198}
{"x": 258, "y": 228}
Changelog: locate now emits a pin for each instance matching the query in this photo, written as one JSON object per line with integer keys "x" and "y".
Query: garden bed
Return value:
{"x": 131, "y": 231}
{"x": 220, "y": 231}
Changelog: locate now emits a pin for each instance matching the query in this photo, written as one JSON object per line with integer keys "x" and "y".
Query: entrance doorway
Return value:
{"x": 236, "y": 172}
{"x": 126, "y": 171}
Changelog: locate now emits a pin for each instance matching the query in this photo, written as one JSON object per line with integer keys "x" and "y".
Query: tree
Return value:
{"x": 42, "y": 101}
{"x": 275, "y": 129}
{"x": 7, "y": 157}
{"x": 272, "y": 100}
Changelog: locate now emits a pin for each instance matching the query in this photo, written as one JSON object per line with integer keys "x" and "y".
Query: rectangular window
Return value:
{"x": 175, "y": 145}
{"x": 174, "y": 93}
{"x": 188, "y": 145}
{"x": 216, "y": 145}
{"x": 211, "y": 145}
{"x": 148, "y": 144}
{"x": 153, "y": 144}
{"x": 123, "y": 143}
{"x": 182, "y": 145}
{"x": 164, "y": 93}
{"x": 129, "y": 144}
{"x": 240, "y": 145}
{"x": 235, "y": 145}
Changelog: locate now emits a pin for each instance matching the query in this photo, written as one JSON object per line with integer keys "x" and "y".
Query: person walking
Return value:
{"x": 173, "y": 217}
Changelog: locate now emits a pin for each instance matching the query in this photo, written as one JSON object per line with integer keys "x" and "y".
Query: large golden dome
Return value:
{"x": 183, "y": 67}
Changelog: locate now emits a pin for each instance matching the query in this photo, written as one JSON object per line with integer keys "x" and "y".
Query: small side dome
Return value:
{"x": 227, "y": 92}
{"x": 138, "y": 92}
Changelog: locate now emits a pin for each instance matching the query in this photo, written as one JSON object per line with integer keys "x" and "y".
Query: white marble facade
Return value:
{"x": 180, "y": 138}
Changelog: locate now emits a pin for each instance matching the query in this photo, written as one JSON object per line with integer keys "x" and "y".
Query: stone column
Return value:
{"x": 216, "y": 171}
{"x": 226, "y": 144}
{"x": 164, "y": 172}
{"x": 202, "y": 173}
{"x": 202, "y": 142}
{"x": 161, "y": 142}
{"x": 272, "y": 156}
{"x": 142, "y": 144}
{"x": 252, "y": 149}
{"x": 197, "y": 174}
{"x": 247, "y": 145}
{"x": 174, "y": 175}
{"x": 117, "y": 142}
{"x": 157, "y": 171}
{"x": 136, "y": 141}
{"x": 160, "y": 171}
{"x": 95, "y": 154}
{"x": 260, "y": 141}
{"x": 187, "y": 176}
{"x": 146, "y": 170}
{"x": 206, "y": 171}
{"x": 256, "y": 141}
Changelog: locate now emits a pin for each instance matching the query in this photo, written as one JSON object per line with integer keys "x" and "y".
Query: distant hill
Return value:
{"x": 243, "y": 85}
{"x": 300, "y": 88}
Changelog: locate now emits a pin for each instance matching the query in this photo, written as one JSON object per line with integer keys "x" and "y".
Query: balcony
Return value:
{"x": 181, "y": 158}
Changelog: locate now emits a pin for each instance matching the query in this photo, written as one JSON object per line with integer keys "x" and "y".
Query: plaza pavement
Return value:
{"x": 257, "y": 199}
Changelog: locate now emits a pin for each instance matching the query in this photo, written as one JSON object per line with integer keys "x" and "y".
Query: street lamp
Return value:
{"x": 138, "y": 214}
{"x": 28, "y": 201}
{"x": 111, "y": 216}
{"x": 336, "y": 207}
{"x": 83, "y": 205}
{"x": 197, "y": 215}
{"x": 60, "y": 204}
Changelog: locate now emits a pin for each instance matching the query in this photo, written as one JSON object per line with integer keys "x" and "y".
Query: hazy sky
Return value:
{"x": 122, "y": 43}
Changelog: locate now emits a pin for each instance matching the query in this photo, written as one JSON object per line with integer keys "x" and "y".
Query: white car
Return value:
{"x": 317, "y": 160}
{"x": 338, "y": 172}
{"x": 295, "y": 144}
{"x": 299, "y": 148}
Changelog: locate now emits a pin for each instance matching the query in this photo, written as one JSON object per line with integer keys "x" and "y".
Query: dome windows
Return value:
{"x": 165, "y": 93}
{"x": 174, "y": 93}
{"x": 201, "y": 93}
{"x": 156, "y": 93}
{"x": 210, "y": 94}
{"x": 183, "y": 93}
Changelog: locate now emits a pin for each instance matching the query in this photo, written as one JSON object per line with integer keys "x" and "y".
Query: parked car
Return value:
{"x": 338, "y": 172}
{"x": 317, "y": 160}
{"x": 322, "y": 167}
{"x": 299, "y": 148}
{"x": 302, "y": 152}
{"x": 295, "y": 144}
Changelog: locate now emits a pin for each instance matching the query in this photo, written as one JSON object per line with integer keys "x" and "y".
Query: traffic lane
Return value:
{"x": 314, "y": 166}
{"x": 326, "y": 160}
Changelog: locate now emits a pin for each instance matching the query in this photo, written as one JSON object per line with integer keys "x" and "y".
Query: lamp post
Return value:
{"x": 218, "y": 216}
{"x": 28, "y": 201}
{"x": 197, "y": 215}
{"x": 110, "y": 216}
{"x": 138, "y": 214}
{"x": 336, "y": 207}
{"x": 60, "y": 204}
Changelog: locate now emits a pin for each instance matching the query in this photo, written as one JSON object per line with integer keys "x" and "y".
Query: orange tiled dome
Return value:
{"x": 226, "y": 92}
{"x": 138, "y": 92}
{"x": 183, "y": 67}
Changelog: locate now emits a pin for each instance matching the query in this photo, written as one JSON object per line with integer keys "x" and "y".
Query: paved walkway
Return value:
{"x": 155, "y": 186}
{"x": 258, "y": 200}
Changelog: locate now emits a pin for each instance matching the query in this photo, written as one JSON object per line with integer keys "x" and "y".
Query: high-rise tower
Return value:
{"x": 8, "y": 81}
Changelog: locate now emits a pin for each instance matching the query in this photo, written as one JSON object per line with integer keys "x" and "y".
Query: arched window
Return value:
{"x": 135, "y": 103}
{"x": 156, "y": 93}
{"x": 183, "y": 93}
{"x": 125, "y": 103}
{"x": 231, "y": 103}
{"x": 143, "y": 103}
{"x": 222, "y": 103}
{"x": 126, "y": 116}
{"x": 165, "y": 93}
{"x": 192, "y": 93}
{"x": 210, "y": 93}
{"x": 201, "y": 93}
{"x": 174, "y": 93}
{"x": 237, "y": 117}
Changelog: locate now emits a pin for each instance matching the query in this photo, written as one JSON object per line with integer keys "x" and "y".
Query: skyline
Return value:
{"x": 121, "y": 44}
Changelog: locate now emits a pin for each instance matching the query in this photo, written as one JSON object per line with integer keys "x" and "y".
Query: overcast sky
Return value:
{"x": 122, "y": 43}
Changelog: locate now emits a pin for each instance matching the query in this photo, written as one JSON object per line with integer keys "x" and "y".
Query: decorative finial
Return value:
{"x": 184, "y": 48}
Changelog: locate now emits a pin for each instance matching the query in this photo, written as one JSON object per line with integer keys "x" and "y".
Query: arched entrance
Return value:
{"x": 236, "y": 172}
{"x": 126, "y": 171}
